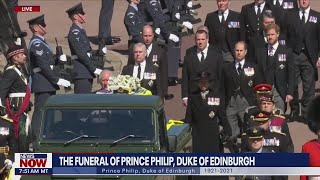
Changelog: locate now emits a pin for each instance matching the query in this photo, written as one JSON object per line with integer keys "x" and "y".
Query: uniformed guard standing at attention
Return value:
{"x": 7, "y": 145}
{"x": 45, "y": 81}
{"x": 15, "y": 95}
{"x": 84, "y": 69}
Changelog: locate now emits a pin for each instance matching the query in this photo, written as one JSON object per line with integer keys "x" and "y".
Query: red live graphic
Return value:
{"x": 27, "y": 8}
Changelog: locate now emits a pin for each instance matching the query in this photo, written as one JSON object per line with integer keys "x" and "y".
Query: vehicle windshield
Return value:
{"x": 107, "y": 124}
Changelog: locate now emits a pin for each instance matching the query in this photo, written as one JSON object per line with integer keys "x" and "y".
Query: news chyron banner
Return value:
{"x": 163, "y": 164}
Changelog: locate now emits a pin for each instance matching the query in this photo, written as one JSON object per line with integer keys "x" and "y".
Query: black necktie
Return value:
{"x": 239, "y": 68}
{"x": 139, "y": 71}
{"x": 259, "y": 10}
{"x": 278, "y": 3}
{"x": 222, "y": 19}
{"x": 202, "y": 56}
{"x": 303, "y": 19}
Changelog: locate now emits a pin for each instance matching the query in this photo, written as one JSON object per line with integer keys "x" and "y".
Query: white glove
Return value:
{"x": 8, "y": 162}
{"x": 63, "y": 82}
{"x": 158, "y": 31}
{"x": 63, "y": 58}
{"x": 97, "y": 71}
{"x": 177, "y": 15}
{"x": 104, "y": 50}
{"x": 187, "y": 24}
{"x": 18, "y": 41}
{"x": 174, "y": 38}
{"x": 189, "y": 4}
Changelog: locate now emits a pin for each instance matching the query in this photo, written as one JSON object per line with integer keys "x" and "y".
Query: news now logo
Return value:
{"x": 33, "y": 163}
{"x": 34, "y": 160}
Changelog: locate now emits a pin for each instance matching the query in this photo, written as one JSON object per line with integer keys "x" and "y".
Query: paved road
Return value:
{"x": 58, "y": 26}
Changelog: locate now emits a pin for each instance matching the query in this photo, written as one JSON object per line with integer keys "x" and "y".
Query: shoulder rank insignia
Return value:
{"x": 39, "y": 52}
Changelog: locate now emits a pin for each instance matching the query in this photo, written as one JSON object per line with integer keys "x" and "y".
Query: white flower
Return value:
{"x": 124, "y": 82}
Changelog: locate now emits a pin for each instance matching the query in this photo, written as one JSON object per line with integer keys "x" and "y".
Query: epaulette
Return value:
{"x": 6, "y": 119}
{"x": 280, "y": 116}
{"x": 278, "y": 132}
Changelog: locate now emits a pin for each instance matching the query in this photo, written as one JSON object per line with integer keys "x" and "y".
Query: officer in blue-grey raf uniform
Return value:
{"x": 105, "y": 17}
{"x": 134, "y": 22}
{"x": 45, "y": 81}
{"x": 84, "y": 69}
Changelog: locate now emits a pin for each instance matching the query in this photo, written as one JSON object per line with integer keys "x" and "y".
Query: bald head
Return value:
{"x": 148, "y": 34}
{"x": 104, "y": 78}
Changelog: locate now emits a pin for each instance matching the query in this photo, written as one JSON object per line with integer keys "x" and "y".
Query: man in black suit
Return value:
{"x": 224, "y": 28}
{"x": 239, "y": 79}
{"x": 157, "y": 56}
{"x": 251, "y": 16}
{"x": 260, "y": 40}
{"x": 200, "y": 57}
{"x": 275, "y": 61}
{"x": 146, "y": 72}
{"x": 303, "y": 36}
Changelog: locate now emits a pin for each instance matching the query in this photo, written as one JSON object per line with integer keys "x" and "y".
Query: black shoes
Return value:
{"x": 174, "y": 81}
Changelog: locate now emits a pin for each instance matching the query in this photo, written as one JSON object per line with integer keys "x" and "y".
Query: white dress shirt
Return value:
{"x": 306, "y": 13}
{"x": 205, "y": 52}
{"x": 225, "y": 15}
{"x": 274, "y": 48}
{"x": 149, "y": 49}
{"x": 237, "y": 64}
{"x": 135, "y": 69}
{"x": 280, "y": 1}
{"x": 261, "y": 7}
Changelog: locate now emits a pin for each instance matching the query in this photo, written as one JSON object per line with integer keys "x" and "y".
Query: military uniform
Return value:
{"x": 257, "y": 134}
{"x": 14, "y": 90}
{"x": 134, "y": 22}
{"x": 45, "y": 81}
{"x": 83, "y": 68}
{"x": 105, "y": 17}
{"x": 8, "y": 143}
{"x": 274, "y": 139}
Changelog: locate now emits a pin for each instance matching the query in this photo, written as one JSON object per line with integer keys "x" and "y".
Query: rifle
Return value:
{"x": 64, "y": 72}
